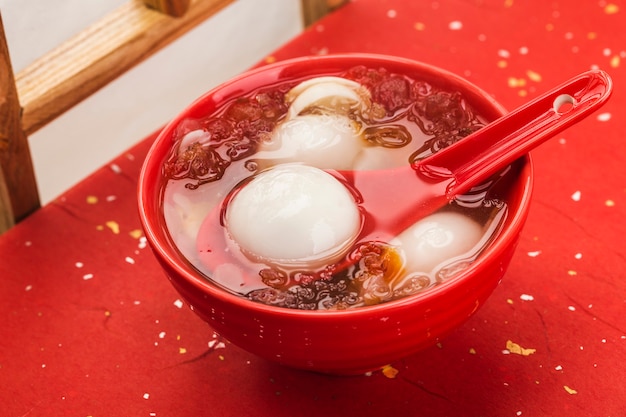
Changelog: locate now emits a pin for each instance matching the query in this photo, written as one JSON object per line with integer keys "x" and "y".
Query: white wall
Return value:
{"x": 139, "y": 102}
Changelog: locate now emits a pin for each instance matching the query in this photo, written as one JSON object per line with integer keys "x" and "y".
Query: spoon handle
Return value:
{"x": 484, "y": 152}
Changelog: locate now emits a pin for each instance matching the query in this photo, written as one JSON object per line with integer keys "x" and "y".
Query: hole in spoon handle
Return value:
{"x": 481, "y": 154}
{"x": 564, "y": 103}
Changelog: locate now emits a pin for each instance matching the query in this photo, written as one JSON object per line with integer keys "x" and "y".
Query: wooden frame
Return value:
{"x": 313, "y": 10}
{"x": 79, "y": 67}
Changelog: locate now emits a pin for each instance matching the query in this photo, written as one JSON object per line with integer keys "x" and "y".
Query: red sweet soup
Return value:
{"x": 267, "y": 151}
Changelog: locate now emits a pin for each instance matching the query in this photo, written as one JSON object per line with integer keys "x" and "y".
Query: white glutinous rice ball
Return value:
{"x": 334, "y": 93}
{"x": 437, "y": 238}
{"x": 326, "y": 141}
{"x": 293, "y": 216}
{"x": 318, "y": 130}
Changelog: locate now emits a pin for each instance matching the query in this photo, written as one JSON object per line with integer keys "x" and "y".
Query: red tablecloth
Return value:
{"x": 89, "y": 326}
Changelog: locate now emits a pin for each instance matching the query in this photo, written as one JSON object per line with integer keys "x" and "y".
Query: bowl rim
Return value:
{"x": 159, "y": 241}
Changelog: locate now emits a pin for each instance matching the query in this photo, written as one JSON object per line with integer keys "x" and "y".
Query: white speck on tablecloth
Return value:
{"x": 322, "y": 51}
{"x": 178, "y": 303}
{"x": 455, "y": 25}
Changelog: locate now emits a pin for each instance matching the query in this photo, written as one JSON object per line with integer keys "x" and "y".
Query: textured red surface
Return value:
{"x": 90, "y": 327}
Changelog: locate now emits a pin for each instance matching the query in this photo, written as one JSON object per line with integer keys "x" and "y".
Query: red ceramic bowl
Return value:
{"x": 348, "y": 341}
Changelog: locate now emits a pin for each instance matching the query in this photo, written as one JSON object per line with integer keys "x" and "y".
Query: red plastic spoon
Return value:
{"x": 452, "y": 171}
{"x": 399, "y": 197}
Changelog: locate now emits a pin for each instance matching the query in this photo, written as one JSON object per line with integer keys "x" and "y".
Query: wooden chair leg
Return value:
{"x": 313, "y": 10}
{"x": 18, "y": 176}
{"x": 6, "y": 213}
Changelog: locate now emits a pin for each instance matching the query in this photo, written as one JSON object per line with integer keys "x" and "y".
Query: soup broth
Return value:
{"x": 349, "y": 128}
